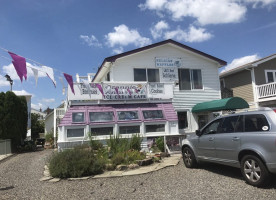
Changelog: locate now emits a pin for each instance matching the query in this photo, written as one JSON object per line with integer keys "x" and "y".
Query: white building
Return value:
{"x": 150, "y": 91}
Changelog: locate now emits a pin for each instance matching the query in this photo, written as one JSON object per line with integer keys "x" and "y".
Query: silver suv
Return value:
{"x": 246, "y": 140}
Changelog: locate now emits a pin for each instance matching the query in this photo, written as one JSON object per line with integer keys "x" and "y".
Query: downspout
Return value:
{"x": 253, "y": 82}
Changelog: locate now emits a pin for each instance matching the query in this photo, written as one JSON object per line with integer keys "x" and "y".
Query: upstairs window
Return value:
{"x": 128, "y": 115}
{"x": 190, "y": 79}
{"x": 270, "y": 76}
{"x": 101, "y": 116}
{"x": 149, "y": 75}
{"x": 153, "y": 114}
{"x": 78, "y": 117}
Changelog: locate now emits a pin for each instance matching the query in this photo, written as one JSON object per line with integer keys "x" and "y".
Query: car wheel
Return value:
{"x": 189, "y": 158}
{"x": 254, "y": 171}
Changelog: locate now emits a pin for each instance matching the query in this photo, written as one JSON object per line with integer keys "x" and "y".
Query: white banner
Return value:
{"x": 156, "y": 88}
{"x": 169, "y": 74}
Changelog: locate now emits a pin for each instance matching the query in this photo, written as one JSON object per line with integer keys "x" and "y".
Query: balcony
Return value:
{"x": 121, "y": 91}
{"x": 266, "y": 92}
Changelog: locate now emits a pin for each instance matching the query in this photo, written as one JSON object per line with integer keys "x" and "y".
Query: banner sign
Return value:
{"x": 169, "y": 74}
{"x": 168, "y": 62}
{"x": 156, "y": 88}
{"x": 89, "y": 89}
{"x": 117, "y": 91}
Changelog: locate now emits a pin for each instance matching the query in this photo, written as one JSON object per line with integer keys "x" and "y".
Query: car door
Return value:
{"x": 228, "y": 141}
{"x": 206, "y": 141}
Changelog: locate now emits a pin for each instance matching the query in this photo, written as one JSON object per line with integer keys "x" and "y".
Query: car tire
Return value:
{"x": 189, "y": 157}
{"x": 254, "y": 171}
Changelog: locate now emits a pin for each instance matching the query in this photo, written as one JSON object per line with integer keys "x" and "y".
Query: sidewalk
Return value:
{"x": 3, "y": 157}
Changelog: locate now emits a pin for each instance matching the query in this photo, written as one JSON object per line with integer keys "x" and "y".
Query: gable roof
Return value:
{"x": 115, "y": 57}
{"x": 248, "y": 65}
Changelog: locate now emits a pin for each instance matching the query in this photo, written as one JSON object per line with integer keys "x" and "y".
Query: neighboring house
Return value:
{"x": 28, "y": 99}
{"x": 149, "y": 90}
{"x": 255, "y": 82}
{"x": 41, "y": 114}
{"x": 53, "y": 118}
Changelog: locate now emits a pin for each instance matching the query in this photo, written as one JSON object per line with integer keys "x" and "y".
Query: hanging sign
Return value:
{"x": 168, "y": 62}
{"x": 117, "y": 91}
{"x": 169, "y": 74}
{"x": 156, "y": 88}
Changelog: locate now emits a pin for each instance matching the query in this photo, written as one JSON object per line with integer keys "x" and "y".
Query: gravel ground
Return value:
{"x": 20, "y": 174}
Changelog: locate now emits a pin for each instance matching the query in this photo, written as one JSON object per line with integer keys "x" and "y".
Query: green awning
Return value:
{"x": 222, "y": 104}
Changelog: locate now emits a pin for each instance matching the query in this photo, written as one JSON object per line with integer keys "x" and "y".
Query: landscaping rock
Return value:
{"x": 46, "y": 178}
{"x": 164, "y": 154}
{"x": 147, "y": 161}
{"x": 54, "y": 180}
{"x": 133, "y": 166}
{"x": 81, "y": 178}
{"x": 121, "y": 167}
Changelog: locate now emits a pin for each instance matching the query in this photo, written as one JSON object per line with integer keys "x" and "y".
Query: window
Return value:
{"x": 129, "y": 129}
{"x": 150, "y": 75}
{"x": 153, "y": 114}
{"x": 127, "y": 115}
{"x": 229, "y": 124}
{"x": 78, "y": 117}
{"x": 182, "y": 120}
{"x": 270, "y": 76}
{"x": 213, "y": 127}
{"x": 190, "y": 79}
{"x": 155, "y": 128}
{"x": 108, "y": 76}
{"x": 101, "y": 116}
{"x": 79, "y": 132}
{"x": 256, "y": 122}
{"x": 102, "y": 131}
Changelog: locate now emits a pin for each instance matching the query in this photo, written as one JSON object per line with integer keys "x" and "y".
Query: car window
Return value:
{"x": 239, "y": 124}
{"x": 229, "y": 124}
{"x": 213, "y": 127}
{"x": 256, "y": 122}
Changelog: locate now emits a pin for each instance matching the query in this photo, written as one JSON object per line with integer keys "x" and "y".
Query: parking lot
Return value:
{"x": 20, "y": 174}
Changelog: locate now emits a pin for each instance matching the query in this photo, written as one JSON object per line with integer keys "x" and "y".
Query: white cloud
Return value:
{"x": 118, "y": 50}
{"x": 37, "y": 106}
{"x": 157, "y": 29}
{"x": 124, "y": 36}
{"x": 10, "y": 70}
{"x": 90, "y": 41}
{"x": 261, "y": 3}
{"x": 240, "y": 61}
{"x": 193, "y": 34}
{"x": 204, "y": 11}
{"x": 51, "y": 100}
{"x": 3, "y": 81}
{"x": 21, "y": 92}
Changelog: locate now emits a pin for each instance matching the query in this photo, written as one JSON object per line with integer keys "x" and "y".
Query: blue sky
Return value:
{"x": 74, "y": 36}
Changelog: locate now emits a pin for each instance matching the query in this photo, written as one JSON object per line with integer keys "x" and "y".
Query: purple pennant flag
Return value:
{"x": 69, "y": 79}
{"x": 100, "y": 88}
{"x": 19, "y": 64}
{"x": 117, "y": 91}
{"x": 129, "y": 91}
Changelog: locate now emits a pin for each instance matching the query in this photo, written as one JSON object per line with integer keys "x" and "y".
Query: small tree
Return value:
{"x": 36, "y": 126}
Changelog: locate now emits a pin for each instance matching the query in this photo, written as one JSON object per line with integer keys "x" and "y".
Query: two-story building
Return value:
{"x": 149, "y": 90}
{"x": 255, "y": 82}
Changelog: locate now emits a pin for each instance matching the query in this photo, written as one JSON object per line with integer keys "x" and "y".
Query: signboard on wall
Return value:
{"x": 117, "y": 91}
{"x": 169, "y": 74}
{"x": 156, "y": 88}
{"x": 89, "y": 89}
{"x": 167, "y": 62}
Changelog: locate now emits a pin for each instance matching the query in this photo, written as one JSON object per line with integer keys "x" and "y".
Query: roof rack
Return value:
{"x": 246, "y": 110}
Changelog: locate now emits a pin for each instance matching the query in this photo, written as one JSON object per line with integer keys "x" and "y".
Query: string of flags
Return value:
{"x": 21, "y": 66}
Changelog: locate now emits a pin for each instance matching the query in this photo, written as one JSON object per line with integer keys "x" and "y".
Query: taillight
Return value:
{"x": 274, "y": 110}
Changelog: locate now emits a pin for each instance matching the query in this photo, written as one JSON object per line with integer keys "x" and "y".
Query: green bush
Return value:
{"x": 118, "y": 144}
{"x": 135, "y": 142}
{"x": 160, "y": 144}
{"x": 132, "y": 156}
{"x": 94, "y": 144}
{"x": 118, "y": 158}
{"x": 75, "y": 163}
{"x": 49, "y": 137}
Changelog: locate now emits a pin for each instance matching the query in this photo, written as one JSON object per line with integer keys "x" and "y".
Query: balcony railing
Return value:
{"x": 266, "y": 90}
{"x": 121, "y": 91}
{"x": 60, "y": 112}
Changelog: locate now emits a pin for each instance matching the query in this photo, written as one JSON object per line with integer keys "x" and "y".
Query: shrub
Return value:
{"x": 74, "y": 163}
{"x": 117, "y": 144}
{"x": 135, "y": 142}
{"x": 160, "y": 144}
{"x": 49, "y": 137}
{"x": 132, "y": 156}
{"x": 118, "y": 159}
{"x": 94, "y": 144}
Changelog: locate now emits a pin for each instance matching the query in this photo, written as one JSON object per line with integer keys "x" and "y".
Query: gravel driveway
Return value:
{"x": 19, "y": 179}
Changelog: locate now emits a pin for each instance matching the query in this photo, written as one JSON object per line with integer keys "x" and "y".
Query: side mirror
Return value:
{"x": 198, "y": 133}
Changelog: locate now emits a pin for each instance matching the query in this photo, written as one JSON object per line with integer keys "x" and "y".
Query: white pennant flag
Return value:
{"x": 50, "y": 73}
{"x": 35, "y": 71}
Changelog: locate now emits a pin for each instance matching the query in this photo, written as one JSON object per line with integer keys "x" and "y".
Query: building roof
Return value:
{"x": 248, "y": 65}
{"x": 115, "y": 57}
